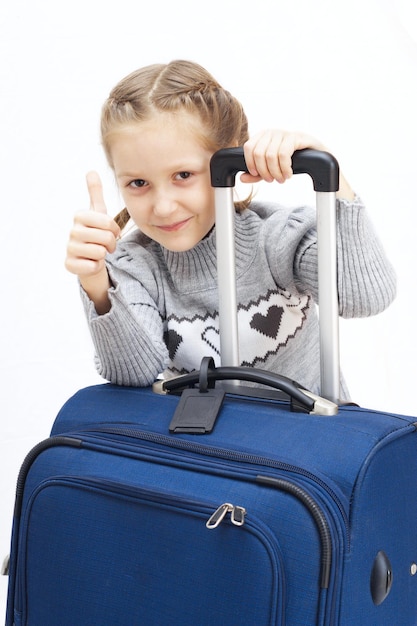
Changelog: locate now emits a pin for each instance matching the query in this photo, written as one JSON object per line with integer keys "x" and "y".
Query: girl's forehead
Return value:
{"x": 176, "y": 129}
{"x": 182, "y": 122}
{"x": 160, "y": 143}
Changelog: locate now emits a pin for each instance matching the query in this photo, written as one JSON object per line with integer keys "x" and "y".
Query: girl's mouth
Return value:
{"x": 176, "y": 226}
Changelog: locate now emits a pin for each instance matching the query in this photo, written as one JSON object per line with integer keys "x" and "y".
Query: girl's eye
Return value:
{"x": 183, "y": 175}
{"x": 136, "y": 184}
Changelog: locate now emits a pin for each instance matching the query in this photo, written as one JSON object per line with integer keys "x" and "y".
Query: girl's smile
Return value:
{"x": 175, "y": 226}
{"x": 164, "y": 178}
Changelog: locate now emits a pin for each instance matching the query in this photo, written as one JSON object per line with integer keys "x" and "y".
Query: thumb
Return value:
{"x": 95, "y": 191}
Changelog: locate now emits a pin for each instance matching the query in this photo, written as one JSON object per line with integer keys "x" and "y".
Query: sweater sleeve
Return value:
{"x": 128, "y": 340}
{"x": 366, "y": 279}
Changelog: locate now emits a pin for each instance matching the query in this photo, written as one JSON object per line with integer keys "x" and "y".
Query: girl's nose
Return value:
{"x": 164, "y": 205}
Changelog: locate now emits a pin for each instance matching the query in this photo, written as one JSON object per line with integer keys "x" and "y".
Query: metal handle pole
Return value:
{"x": 328, "y": 296}
{"x": 226, "y": 270}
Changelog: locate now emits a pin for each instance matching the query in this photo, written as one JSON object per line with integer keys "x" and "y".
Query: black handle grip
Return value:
{"x": 321, "y": 166}
{"x": 249, "y": 374}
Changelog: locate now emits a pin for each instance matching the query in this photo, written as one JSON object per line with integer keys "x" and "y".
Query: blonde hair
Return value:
{"x": 178, "y": 85}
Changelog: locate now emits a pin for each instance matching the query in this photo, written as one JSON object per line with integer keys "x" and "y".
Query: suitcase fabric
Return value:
{"x": 111, "y": 516}
{"x": 272, "y": 517}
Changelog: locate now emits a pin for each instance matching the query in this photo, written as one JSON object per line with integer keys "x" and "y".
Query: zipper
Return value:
{"x": 318, "y": 517}
{"x": 229, "y": 455}
{"x": 237, "y": 515}
{"x": 59, "y": 440}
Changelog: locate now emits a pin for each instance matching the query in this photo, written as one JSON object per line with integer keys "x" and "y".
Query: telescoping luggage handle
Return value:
{"x": 323, "y": 169}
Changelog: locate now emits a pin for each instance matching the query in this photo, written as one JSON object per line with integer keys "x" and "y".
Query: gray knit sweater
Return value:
{"x": 164, "y": 305}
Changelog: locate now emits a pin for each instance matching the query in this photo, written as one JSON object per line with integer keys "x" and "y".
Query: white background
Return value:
{"x": 343, "y": 71}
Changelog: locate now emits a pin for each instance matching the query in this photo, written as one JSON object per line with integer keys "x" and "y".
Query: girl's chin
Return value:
{"x": 180, "y": 240}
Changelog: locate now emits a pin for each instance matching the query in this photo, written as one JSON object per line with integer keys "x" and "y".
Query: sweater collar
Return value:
{"x": 201, "y": 259}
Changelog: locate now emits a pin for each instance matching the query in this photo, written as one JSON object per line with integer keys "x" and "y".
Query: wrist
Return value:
{"x": 96, "y": 287}
{"x": 345, "y": 190}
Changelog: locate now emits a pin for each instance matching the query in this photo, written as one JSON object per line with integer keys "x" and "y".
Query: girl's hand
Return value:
{"x": 93, "y": 235}
{"x": 268, "y": 157}
{"x": 268, "y": 154}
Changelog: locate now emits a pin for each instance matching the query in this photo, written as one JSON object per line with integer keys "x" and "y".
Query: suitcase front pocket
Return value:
{"x": 84, "y": 535}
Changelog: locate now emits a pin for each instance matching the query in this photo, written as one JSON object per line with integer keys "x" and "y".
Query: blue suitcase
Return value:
{"x": 275, "y": 517}
{"x": 286, "y": 509}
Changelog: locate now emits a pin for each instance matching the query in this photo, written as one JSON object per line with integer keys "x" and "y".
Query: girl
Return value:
{"x": 151, "y": 297}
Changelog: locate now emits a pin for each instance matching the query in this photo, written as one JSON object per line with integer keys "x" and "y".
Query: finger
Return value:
{"x": 273, "y": 153}
{"x": 285, "y": 151}
{"x": 79, "y": 250}
{"x": 83, "y": 267}
{"x": 93, "y": 226}
{"x": 95, "y": 191}
{"x": 248, "y": 178}
{"x": 255, "y": 155}
{"x": 291, "y": 142}
{"x": 249, "y": 158}
{"x": 99, "y": 229}
{"x": 266, "y": 155}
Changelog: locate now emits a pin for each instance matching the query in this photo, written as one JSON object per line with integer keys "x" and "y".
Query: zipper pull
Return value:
{"x": 237, "y": 515}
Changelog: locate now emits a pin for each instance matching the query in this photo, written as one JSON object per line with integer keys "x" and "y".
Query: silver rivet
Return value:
{"x": 413, "y": 569}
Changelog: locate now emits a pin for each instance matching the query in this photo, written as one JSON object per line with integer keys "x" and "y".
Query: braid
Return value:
{"x": 122, "y": 218}
{"x": 177, "y": 85}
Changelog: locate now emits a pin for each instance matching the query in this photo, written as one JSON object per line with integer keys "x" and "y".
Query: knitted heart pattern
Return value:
{"x": 265, "y": 325}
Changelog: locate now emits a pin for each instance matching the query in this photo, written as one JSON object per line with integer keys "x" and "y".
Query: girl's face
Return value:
{"x": 163, "y": 172}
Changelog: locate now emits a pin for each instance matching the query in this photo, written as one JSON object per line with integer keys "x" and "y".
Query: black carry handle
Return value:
{"x": 208, "y": 374}
{"x": 248, "y": 374}
{"x": 321, "y": 166}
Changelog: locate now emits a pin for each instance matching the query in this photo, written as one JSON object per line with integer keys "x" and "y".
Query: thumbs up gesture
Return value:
{"x": 93, "y": 235}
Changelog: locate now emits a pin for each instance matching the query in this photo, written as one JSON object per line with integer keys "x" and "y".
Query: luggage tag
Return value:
{"x": 198, "y": 408}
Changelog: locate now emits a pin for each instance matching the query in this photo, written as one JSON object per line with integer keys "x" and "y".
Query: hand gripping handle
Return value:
{"x": 321, "y": 166}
